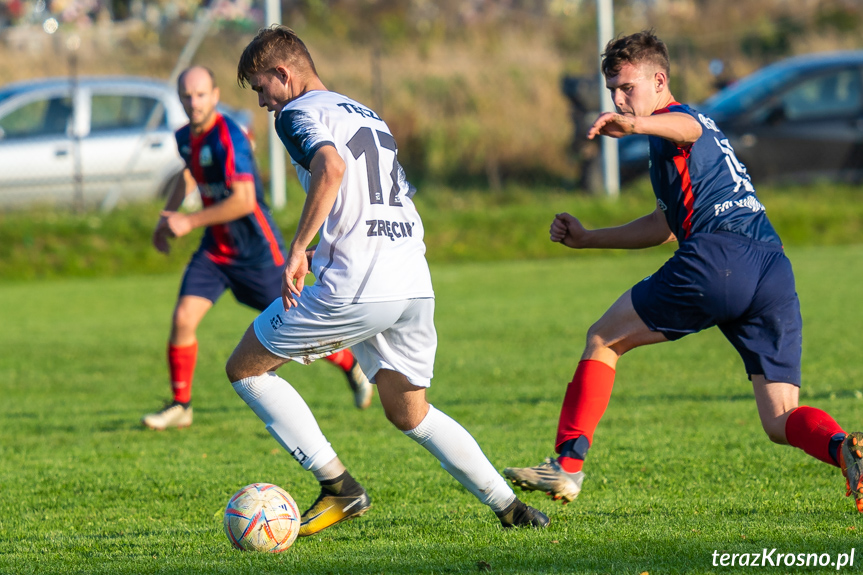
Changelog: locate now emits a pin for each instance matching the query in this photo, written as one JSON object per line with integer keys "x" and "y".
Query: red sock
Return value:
{"x": 344, "y": 359}
{"x": 812, "y": 430}
{"x": 586, "y": 398}
{"x": 181, "y": 364}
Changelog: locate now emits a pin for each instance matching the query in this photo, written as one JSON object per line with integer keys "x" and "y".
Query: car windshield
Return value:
{"x": 740, "y": 96}
{"x": 6, "y": 94}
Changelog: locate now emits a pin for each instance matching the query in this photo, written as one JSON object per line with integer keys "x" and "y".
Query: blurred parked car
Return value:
{"x": 99, "y": 140}
{"x": 798, "y": 120}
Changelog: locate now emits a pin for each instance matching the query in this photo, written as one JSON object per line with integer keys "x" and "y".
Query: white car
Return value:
{"x": 90, "y": 141}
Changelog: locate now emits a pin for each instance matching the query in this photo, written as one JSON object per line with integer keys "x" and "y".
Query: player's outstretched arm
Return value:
{"x": 567, "y": 230}
{"x": 327, "y": 169}
{"x": 680, "y": 128}
{"x": 160, "y": 237}
{"x": 182, "y": 188}
{"x": 647, "y": 231}
{"x": 239, "y": 204}
{"x": 613, "y": 125}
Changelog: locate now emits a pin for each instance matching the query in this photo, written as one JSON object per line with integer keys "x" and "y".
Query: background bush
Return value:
{"x": 461, "y": 225}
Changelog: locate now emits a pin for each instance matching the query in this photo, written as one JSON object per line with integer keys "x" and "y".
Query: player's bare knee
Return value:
{"x": 242, "y": 363}
{"x": 234, "y": 367}
{"x": 595, "y": 341}
{"x": 185, "y": 320}
{"x": 775, "y": 431}
{"x": 776, "y": 437}
{"x": 404, "y": 404}
{"x": 251, "y": 359}
{"x": 398, "y": 414}
{"x": 398, "y": 419}
{"x": 403, "y": 420}
{"x": 180, "y": 319}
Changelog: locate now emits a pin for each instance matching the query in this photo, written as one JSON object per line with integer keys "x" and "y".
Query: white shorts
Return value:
{"x": 396, "y": 335}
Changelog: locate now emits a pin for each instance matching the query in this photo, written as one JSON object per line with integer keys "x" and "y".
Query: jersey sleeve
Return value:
{"x": 244, "y": 161}
{"x": 302, "y": 135}
{"x": 182, "y": 138}
{"x": 664, "y": 150}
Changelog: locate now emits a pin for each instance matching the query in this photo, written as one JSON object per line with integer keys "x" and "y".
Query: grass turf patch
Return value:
{"x": 680, "y": 467}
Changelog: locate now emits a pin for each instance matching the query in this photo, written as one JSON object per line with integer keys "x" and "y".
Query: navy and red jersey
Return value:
{"x": 217, "y": 159}
{"x": 703, "y": 188}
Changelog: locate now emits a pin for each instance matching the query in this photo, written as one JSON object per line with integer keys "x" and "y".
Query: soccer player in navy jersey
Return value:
{"x": 729, "y": 270}
{"x": 241, "y": 250}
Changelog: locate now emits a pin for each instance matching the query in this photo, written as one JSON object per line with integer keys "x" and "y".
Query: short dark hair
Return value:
{"x": 271, "y": 47}
{"x": 634, "y": 49}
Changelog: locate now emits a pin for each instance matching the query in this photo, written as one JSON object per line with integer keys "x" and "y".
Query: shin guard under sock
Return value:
{"x": 461, "y": 456}
{"x": 815, "y": 432}
{"x": 586, "y": 399}
{"x": 181, "y": 366}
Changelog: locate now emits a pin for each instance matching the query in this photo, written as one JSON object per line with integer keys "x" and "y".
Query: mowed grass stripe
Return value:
{"x": 680, "y": 466}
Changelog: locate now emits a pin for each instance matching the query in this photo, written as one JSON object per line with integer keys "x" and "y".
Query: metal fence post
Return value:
{"x": 610, "y": 162}
{"x": 278, "y": 181}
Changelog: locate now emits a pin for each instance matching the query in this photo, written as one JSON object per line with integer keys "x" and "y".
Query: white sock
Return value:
{"x": 460, "y": 455}
{"x": 287, "y": 418}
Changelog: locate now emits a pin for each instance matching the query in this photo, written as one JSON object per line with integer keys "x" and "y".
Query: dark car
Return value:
{"x": 798, "y": 120}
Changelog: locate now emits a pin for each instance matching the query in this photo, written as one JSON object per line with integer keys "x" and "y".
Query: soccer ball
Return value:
{"x": 262, "y": 517}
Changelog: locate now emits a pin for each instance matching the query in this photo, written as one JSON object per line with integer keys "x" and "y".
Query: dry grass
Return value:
{"x": 481, "y": 104}
{"x": 460, "y": 109}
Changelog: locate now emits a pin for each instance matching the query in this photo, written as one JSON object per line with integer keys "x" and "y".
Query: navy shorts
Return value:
{"x": 256, "y": 287}
{"x": 744, "y": 286}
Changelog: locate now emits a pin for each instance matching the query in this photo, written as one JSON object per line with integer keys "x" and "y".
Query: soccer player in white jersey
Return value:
{"x": 372, "y": 292}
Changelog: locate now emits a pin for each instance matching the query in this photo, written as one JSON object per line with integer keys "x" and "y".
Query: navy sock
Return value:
{"x": 835, "y": 445}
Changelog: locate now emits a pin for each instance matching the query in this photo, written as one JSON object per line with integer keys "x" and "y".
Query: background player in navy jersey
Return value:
{"x": 729, "y": 270}
{"x": 241, "y": 250}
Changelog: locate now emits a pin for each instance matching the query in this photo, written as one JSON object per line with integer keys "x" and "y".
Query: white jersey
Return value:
{"x": 371, "y": 244}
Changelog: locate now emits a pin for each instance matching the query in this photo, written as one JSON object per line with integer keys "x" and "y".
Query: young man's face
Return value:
{"x": 199, "y": 97}
{"x": 636, "y": 88}
{"x": 273, "y": 91}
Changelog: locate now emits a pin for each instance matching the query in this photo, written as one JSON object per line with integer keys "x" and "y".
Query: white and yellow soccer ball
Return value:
{"x": 262, "y": 517}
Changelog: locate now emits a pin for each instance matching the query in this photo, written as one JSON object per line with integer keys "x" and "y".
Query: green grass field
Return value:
{"x": 680, "y": 466}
